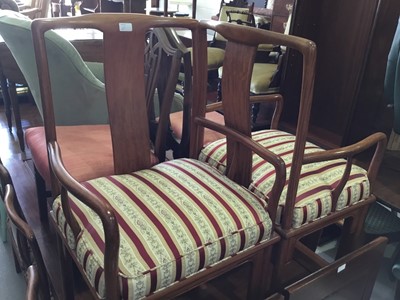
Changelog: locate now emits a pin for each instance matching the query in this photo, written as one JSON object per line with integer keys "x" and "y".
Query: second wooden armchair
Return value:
{"x": 322, "y": 186}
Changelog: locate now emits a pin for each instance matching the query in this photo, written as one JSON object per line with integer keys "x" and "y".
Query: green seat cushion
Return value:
{"x": 215, "y": 57}
{"x": 261, "y": 77}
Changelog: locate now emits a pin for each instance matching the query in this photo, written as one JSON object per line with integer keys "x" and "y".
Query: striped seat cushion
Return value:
{"x": 314, "y": 195}
{"x": 175, "y": 219}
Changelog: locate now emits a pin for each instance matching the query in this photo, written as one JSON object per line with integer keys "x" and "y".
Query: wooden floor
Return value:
{"x": 20, "y": 166}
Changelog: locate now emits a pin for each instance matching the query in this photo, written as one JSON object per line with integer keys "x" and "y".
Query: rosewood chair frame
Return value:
{"x": 126, "y": 105}
{"x": 292, "y": 258}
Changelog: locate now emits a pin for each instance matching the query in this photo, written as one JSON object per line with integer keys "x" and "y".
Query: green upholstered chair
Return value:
{"x": 84, "y": 89}
{"x": 10, "y": 73}
{"x": 322, "y": 186}
{"x": 75, "y": 89}
{"x": 153, "y": 230}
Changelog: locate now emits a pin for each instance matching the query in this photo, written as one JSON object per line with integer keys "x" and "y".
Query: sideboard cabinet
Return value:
{"x": 353, "y": 38}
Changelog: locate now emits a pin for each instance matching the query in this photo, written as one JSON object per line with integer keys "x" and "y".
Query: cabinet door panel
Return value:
{"x": 342, "y": 31}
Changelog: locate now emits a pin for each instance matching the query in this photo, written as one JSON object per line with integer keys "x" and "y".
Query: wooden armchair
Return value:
{"x": 156, "y": 231}
{"x": 322, "y": 187}
{"x": 81, "y": 125}
{"x": 24, "y": 245}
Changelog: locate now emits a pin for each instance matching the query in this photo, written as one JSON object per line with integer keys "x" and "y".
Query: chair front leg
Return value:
{"x": 286, "y": 269}
{"x": 352, "y": 234}
{"x": 41, "y": 196}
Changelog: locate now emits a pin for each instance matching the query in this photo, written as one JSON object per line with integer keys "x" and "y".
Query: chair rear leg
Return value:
{"x": 6, "y": 100}
{"x": 41, "y": 196}
{"x": 286, "y": 269}
{"x": 262, "y": 273}
{"x": 17, "y": 115}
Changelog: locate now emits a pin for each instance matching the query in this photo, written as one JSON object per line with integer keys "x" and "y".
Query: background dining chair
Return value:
{"x": 161, "y": 223}
{"x": 81, "y": 154}
{"x": 322, "y": 187}
{"x": 178, "y": 138}
{"x": 265, "y": 78}
{"x": 36, "y": 9}
{"x": 264, "y": 84}
{"x": 24, "y": 245}
{"x": 215, "y": 53}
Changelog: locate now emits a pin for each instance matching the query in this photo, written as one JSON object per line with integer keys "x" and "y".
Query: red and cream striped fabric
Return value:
{"x": 314, "y": 195}
{"x": 175, "y": 219}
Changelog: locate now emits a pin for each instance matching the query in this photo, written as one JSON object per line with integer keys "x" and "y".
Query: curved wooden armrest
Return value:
{"x": 248, "y": 142}
{"x": 20, "y": 223}
{"x": 24, "y": 242}
{"x": 379, "y": 139}
{"x": 102, "y": 209}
